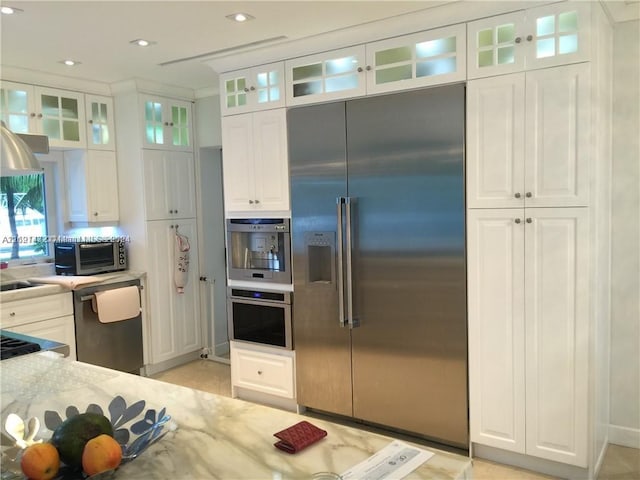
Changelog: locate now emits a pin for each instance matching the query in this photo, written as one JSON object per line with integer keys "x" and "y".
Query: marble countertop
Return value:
{"x": 216, "y": 437}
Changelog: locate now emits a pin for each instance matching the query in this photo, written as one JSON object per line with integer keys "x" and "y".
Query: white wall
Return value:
{"x": 625, "y": 224}
{"x": 208, "y": 120}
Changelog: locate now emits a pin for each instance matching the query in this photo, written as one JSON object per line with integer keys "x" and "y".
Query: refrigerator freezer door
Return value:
{"x": 405, "y": 168}
{"x": 317, "y": 152}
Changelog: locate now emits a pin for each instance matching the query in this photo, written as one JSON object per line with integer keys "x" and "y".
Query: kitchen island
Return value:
{"x": 215, "y": 437}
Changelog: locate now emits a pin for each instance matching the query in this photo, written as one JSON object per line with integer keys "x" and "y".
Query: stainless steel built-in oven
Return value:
{"x": 260, "y": 316}
{"x": 259, "y": 249}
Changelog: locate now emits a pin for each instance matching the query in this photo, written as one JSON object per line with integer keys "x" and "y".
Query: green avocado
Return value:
{"x": 71, "y": 436}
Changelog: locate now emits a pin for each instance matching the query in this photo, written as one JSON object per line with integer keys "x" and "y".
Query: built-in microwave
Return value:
{"x": 260, "y": 317}
{"x": 259, "y": 249}
{"x": 89, "y": 258}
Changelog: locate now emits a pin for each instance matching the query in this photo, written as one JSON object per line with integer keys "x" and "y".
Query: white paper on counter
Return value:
{"x": 396, "y": 460}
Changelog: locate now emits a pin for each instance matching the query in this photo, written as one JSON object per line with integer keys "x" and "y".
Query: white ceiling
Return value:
{"x": 97, "y": 33}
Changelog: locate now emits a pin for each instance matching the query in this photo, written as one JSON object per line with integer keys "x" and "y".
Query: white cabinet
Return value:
{"x": 326, "y": 76}
{"x": 49, "y": 317}
{"x": 253, "y": 89}
{"x": 427, "y": 58}
{"x": 537, "y": 38}
{"x": 528, "y": 331}
{"x": 59, "y": 114}
{"x": 256, "y": 176}
{"x": 174, "y": 317}
{"x": 169, "y": 184}
{"x": 167, "y": 123}
{"x": 262, "y": 370}
{"x": 432, "y": 57}
{"x": 528, "y": 139}
{"x": 100, "y": 122}
{"x": 92, "y": 185}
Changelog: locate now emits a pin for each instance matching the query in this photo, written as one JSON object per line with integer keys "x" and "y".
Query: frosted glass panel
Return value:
{"x": 49, "y": 106}
{"x": 307, "y": 88}
{"x": 307, "y": 71}
{"x": 394, "y": 74}
{"x": 71, "y": 131}
{"x": 159, "y": 134}
{"x": 435, "y": 67}
{"x": 393, "y": 55}
{"x": 230, "y": 86}
{"x": 546, "y": 48}
{"x": 273, "y": 77}
{"x": 263, "y": 96}
{"x": 51, "y": 128}
{"x": 241, "y": 84}
{"x": 506, "y": 33}
{"x": 17, "y": 101}
{"x": 95, "y": 111}
{"x": 231, "y": 101}
{"x": 545, "y": 26}
{"x": 568, "y": 22}
{"x": 69, "y": 108}
{"x": 19, "y": 123}
{"x": 242, "y": 99}
{"x": 485, "y": 38}
{"x": 485, "y": 59}
{"x": 505, "y": 55}
{"x": 341, "y": 65}
{"x": 262, "y": 80}
{"x": 436, "y": 47}
{"x": 274, "y": 93}
{"x": 568, "y": 44}
{"x": 338, "y": 84}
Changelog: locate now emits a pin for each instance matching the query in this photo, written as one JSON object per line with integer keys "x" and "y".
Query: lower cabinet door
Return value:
{"x": 262, "y": 372}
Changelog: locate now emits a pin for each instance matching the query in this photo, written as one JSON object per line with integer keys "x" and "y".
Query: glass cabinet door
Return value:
{"x": 180, "y": 125}
{"x": 153, "y": 126}
{"x": 327, "y": 76}
{"x": 16, "y": 105}
{"x": 166, "y": 123}
{"x": 61, "y": 117}
{"x": 253, "y": 89}
{"x": 100, "y": 124}
{"x": 427, "y": 58}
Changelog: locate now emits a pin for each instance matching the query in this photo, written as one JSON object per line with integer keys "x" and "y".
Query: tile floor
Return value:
{"x": 621, "y": 463}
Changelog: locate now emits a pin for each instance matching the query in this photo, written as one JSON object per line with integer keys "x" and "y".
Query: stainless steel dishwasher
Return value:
{"x": 116, "y": 345}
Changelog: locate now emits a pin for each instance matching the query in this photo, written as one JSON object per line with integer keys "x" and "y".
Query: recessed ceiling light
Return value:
{"x": 6, "y": 10}
{"x": 141, "y": 42}
{"x": 70, "y": 63}
{"x": 240, "y": 17}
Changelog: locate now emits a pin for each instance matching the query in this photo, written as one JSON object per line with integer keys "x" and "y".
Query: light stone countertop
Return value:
{"x": 216, "y": 437}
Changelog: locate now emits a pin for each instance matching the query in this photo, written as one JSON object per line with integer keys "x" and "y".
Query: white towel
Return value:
{"x": 116, "y": 304}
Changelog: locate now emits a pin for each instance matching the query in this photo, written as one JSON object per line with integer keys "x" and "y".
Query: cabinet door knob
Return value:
{"x": 12, "y": 314}
{"x": 166, "y": 124}
{"x": 529, "y": 220}
{"x": 252, "y": 88}
{"x": 170, "y": 211}
{"x": 32, "y": 115}
{"x": 175, "y": 211}
{"x": 528, "y": 195}
{"x": 517, "y": 220}
{"x": 95, "y": 214}
{"x": 368, "y": 68}
{"x": 257, "y": 202}
{"x": 529, "y": 38}
{"x": 360, "y": 70}
{"x": 517, "y": 195}
{"x": 250, "y": 202}
{"x": 39, "y": 115}
{"x": 259, "y": 372}
{"x": 246, "y": 90}
{"x": 518, "y": 39}
{"x": 90, "y": 122}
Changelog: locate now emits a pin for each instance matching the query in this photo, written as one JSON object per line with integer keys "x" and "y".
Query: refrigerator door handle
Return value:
{"x": 339, "y": 247}
{"x": 351, "y": 320}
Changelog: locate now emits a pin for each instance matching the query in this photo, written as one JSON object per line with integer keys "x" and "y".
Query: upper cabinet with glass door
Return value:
{"x": 541, "y": 37}
{"x": 100, "y": 126}
{"x": 167, "y": 123}
{"x": 326, "y": 76}
{"x": 426, "y": 58}
{"x": 252, "y": 89}
{"x": 58, "y": 114}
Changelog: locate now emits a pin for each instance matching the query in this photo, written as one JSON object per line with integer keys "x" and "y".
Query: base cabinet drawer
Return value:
{"x": 60, "y": 329}
{"x": 263, "y": 372}
{"x": 32, "y": 310}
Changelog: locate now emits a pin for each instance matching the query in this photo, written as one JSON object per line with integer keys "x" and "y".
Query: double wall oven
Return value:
{"x": 259, "y": 259}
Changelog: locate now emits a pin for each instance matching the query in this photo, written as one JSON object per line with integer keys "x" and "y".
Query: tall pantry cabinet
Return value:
{"x": 537, "y": 234}
{"x": 158, "y": 200}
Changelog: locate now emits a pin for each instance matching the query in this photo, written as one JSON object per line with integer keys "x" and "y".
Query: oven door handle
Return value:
{"x": 340, "y": 201}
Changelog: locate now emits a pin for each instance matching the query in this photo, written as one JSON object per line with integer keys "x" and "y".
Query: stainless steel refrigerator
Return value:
{"x": 378, "y": 243}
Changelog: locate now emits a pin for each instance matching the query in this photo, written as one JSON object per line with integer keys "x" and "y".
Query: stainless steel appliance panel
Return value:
{"x": 405, "y": 161}
{"x": 395, "y": 163}
{"x": 116, "y": 345}
{"x": 317, "y": 158}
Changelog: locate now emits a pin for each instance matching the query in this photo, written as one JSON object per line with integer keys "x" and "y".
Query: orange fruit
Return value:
{"x": 40, "y": 461}
{"x": 101, "y": 453}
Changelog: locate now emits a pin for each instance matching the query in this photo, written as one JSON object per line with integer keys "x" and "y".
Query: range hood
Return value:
{"x": 18, "y": 152}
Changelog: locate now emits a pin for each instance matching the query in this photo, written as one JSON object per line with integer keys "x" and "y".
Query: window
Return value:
{"x": 23, "y": 217}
